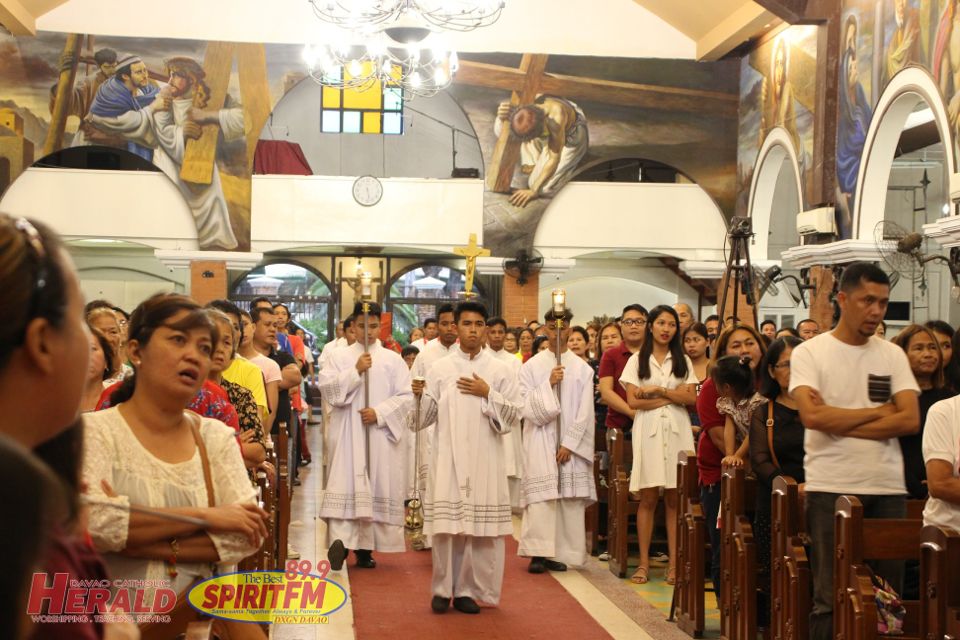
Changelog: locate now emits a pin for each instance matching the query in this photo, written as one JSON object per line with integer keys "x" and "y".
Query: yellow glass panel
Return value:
{"x": 371, "y": 122}
{"x": 331, "y": 98}
{"x": 371, "y": 98}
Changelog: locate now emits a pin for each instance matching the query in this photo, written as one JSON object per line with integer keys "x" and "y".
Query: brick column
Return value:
{"x": 520, "y": 305}
{"x": 821, "y": 308}
{"x": 208, "y": 280}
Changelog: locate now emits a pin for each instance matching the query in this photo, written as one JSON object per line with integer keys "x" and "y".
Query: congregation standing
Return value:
{"x": 172, "y": 407}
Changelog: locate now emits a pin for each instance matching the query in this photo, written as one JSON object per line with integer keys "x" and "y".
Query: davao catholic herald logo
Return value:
{"x": 295, "y": 596}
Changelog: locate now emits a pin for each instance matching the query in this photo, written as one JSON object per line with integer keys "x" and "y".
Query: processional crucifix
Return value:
{"x": 470, "y": 253}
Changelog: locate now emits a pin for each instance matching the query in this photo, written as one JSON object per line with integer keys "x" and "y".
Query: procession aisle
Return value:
{"x": 394, "y": 601}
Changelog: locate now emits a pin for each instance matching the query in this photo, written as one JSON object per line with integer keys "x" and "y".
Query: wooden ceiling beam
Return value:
{"x": 18, "y": 20}
{"x": 606, "y": 91}
{"x": 745, "y": 23}
{"x": 792, "y": 11}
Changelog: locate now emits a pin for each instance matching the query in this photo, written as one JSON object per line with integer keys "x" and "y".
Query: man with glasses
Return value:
{"x": 633, "y": 326}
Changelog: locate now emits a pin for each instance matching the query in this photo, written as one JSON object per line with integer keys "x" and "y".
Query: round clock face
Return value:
{"x": 367, "y": 190}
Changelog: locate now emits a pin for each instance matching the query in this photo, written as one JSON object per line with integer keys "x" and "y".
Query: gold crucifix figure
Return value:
{"x": 471, "y": 252}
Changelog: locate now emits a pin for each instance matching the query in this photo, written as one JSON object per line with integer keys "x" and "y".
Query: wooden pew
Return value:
{"x": 284, "y": 493}
{"x": 266, "y": 487}
{"x": 691, "y": 545}
{"x": 592, "y": 514}
{"x": 859, "y": 539}
{"x": 939, "y": 583}
{"x": 618, "y": 502}
{"x": 738, "y": 557}
{"x": 790, "y": 578}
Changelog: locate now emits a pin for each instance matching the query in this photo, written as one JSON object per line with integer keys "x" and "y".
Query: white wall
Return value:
{"x": 678, "y": 220}
{"x": 125, "y": 277}
{"x": 604, "y": 286}
{"x": 425, "y": 150}
{"x": 315, "y": 210}
{"x": 140, "y": 207}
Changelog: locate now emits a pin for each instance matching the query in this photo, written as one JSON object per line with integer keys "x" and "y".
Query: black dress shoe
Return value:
{"x": 466, "y": 605}
{"x": 365, "y": 559}
{"x": 336, "y": 554}
{"x": 439, "y": 604}
{"x": 537, "y": 565}
{"x": 553, "y": 565}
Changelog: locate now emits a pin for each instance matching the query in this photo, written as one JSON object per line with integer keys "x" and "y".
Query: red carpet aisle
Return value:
{"x": 393, "y": 600}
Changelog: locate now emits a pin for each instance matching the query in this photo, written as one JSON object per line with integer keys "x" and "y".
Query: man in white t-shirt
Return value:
{"x": 856, "y": 395}
{"x": 941, "y": 453}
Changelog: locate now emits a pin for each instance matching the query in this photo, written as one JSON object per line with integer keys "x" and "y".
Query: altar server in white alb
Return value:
{"x": 474, "y": 400}
{"x": 553, "y": 534}
{"x": 364, "y": 508}
{"x": 435, "y": 350}
{"x": 496, "y": 334}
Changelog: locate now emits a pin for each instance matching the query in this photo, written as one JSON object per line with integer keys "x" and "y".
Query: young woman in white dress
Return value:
{"x": 660, "y": 382}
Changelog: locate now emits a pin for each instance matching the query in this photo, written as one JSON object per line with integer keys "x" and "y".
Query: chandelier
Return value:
{"x": 449, "y": 15}
{"x": 418, "y": 69}
{"x": 400, "y": 47}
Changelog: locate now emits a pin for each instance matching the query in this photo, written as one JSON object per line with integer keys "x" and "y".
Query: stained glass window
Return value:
{"x": 374, "y": 109}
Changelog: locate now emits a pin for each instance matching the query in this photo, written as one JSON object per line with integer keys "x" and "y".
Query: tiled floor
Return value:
{"x": 660, "y": 594}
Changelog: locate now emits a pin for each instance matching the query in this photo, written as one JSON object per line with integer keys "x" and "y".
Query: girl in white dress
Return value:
{"x": 660, "y": 383}
{"x": 148, "y": 450}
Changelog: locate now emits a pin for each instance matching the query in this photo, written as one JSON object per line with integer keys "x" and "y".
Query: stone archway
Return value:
{"x": 903, "y": 93}
{"x": 777, "y": 156}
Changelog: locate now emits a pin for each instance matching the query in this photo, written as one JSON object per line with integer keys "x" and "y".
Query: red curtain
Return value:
{"x": 280, "y": 157}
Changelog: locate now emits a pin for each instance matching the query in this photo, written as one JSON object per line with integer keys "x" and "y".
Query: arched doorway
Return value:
{"x": 305, "y": 291}
{"x": 904, "y": 178}
{"x": 775, "y": 200}
{"x": 416, "y": 293}
{"x": 910, "y": 91}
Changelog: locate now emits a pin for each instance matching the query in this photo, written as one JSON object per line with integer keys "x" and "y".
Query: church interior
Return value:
{"x": 393, "y": 167}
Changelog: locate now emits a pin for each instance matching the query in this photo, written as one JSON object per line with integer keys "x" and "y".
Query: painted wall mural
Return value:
{"x": 196, "y": 110}
{"x": 678, "y": 112}
{"x": 778, "y": 89}
{"x": 879, "y": 39}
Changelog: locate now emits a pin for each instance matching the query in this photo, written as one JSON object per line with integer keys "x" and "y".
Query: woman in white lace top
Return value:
{"x": 144, "y": 451}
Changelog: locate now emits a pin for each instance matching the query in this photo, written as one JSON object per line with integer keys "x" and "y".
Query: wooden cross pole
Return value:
{"x": 471, "y": 252}
{"x": 507, "y": 150}
{"x": 61, "y": 104}
{"x": 200, "y": 155}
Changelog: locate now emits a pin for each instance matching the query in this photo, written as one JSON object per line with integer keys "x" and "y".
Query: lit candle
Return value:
{"x": 559, "y": 301}
{"x": 365, "y": 280}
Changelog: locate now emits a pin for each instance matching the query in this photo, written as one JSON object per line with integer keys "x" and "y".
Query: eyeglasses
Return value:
{"x": 33, "y": 239}
{"x": 633, "y": 322}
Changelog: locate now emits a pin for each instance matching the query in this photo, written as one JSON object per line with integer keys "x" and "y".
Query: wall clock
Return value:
{"x": 367, "y": 190}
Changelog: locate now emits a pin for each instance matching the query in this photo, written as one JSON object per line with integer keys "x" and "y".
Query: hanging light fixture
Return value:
{"x": 370, "y": 15}
{"x": 400, "y": 48}
{"x": 417, "y": 69}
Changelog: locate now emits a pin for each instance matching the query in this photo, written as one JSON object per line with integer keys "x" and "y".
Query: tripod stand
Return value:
{"x": 740, "y": 269}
